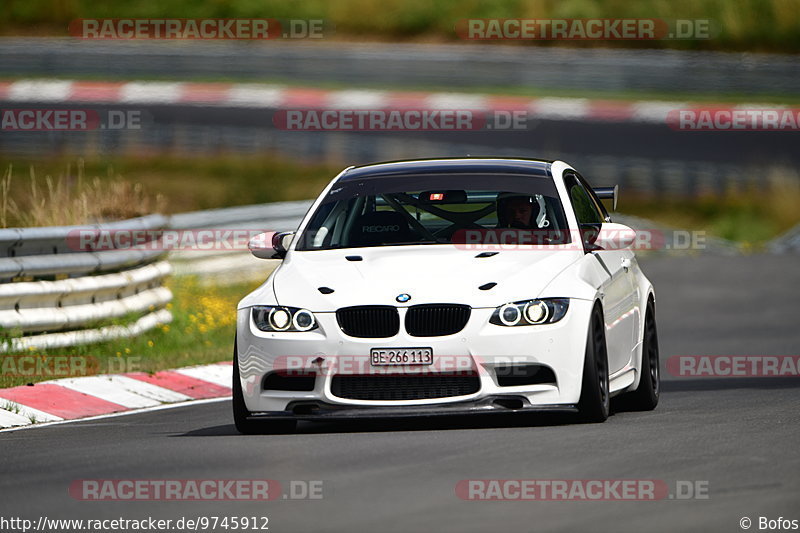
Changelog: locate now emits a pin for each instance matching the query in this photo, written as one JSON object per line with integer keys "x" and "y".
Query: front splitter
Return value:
{"x": 316, "y": 410}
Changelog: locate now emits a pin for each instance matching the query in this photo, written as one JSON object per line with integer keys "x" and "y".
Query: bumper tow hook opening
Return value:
{"x": 509, "y": 403}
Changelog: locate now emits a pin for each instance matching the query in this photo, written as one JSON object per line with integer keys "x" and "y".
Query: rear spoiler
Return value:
{"x": 608, "y": 193}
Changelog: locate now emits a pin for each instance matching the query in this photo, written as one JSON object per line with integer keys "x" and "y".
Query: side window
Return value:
{"x": 586, "y": 211}
{"x": 595, "y": 200}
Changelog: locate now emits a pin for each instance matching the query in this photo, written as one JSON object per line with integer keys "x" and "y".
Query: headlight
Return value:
{"x": 530, "y": 312}
{"x": 271, "y": 318}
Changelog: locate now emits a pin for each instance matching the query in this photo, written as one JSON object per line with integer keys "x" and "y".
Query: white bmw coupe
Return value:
{"x": 447, "y": 286}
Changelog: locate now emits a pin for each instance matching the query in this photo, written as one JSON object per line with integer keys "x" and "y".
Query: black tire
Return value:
{"x": 595, "y": 403}
{"x": 645, "y": 397}
{"x": 243, "y": 424}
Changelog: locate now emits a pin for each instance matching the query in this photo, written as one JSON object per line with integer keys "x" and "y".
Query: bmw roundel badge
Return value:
{"x": 402, "y": 298}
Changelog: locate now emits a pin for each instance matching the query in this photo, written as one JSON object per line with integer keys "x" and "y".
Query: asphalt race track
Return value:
{"x": 739, "y": 436}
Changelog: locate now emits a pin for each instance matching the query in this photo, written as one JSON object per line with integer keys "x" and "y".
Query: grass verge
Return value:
{"x": 66, "y": 191}
{"x": 70, "y": 198}
{"x": 749, "y": 217}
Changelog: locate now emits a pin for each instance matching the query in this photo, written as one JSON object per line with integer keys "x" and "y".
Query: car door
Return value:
{"x": 615, "y": 271}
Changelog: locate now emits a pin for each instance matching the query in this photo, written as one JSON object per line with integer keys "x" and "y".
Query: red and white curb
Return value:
{"x": 91, "y": 396}
{"x": 279, "y": 97}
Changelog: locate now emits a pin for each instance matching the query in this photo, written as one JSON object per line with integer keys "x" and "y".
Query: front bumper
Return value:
{"x": 313, "y": 410}
{"x": 559, "y": 347}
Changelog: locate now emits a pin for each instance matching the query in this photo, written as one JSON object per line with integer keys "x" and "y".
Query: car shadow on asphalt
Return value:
{"x": 381, "y": 425}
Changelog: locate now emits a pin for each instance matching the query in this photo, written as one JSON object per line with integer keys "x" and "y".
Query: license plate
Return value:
{"x": 401, "y": 356}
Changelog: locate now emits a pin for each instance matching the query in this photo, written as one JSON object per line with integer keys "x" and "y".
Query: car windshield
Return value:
{"x": 435, "y": 209}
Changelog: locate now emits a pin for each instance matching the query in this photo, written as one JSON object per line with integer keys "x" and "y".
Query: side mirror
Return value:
{"x": 261, "y": 246}
{"x": 589, "y": 235}
{"x": 270, "y": 245}
{"x": 280, "y": 243}
{"x": 614, "y": 237}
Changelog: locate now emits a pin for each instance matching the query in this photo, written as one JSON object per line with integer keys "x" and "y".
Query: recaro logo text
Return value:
{"x": 380, "y": 229}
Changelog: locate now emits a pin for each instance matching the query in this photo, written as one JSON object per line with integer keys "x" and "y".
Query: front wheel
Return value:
{"x": 645, "y": 397}
{"x": 594, "y": 404}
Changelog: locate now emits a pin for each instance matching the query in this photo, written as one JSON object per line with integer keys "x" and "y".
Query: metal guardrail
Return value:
{"x": 28, "y": 252}
{"x": 70, "y": 303}
{"x": 51, "y": 240}
{"x": 99, "y": 286}
{"x": 409, "y": 65}
{"x": 90, "y": 336}
{"x": 286, "y": 215}
{"x": 87, "y": 287}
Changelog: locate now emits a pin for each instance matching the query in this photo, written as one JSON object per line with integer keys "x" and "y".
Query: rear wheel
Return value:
{"x": 594, "y": 405}
{"x": 245, "y": 425}
{"x": 645, "y": 397}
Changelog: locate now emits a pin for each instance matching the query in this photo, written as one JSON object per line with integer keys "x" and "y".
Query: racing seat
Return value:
{"x": 380, "y": 227}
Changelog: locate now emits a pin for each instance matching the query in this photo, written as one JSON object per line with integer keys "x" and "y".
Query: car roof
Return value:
{"x": 470, "y": 165}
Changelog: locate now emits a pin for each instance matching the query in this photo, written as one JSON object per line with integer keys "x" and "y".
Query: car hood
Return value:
{"x": 429, "y": 274}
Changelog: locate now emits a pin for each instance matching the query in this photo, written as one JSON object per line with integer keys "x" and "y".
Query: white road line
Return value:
{"x": 217, "y": 374}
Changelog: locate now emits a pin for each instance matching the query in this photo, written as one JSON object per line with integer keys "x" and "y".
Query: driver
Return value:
{"x": 515, "y": 211}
